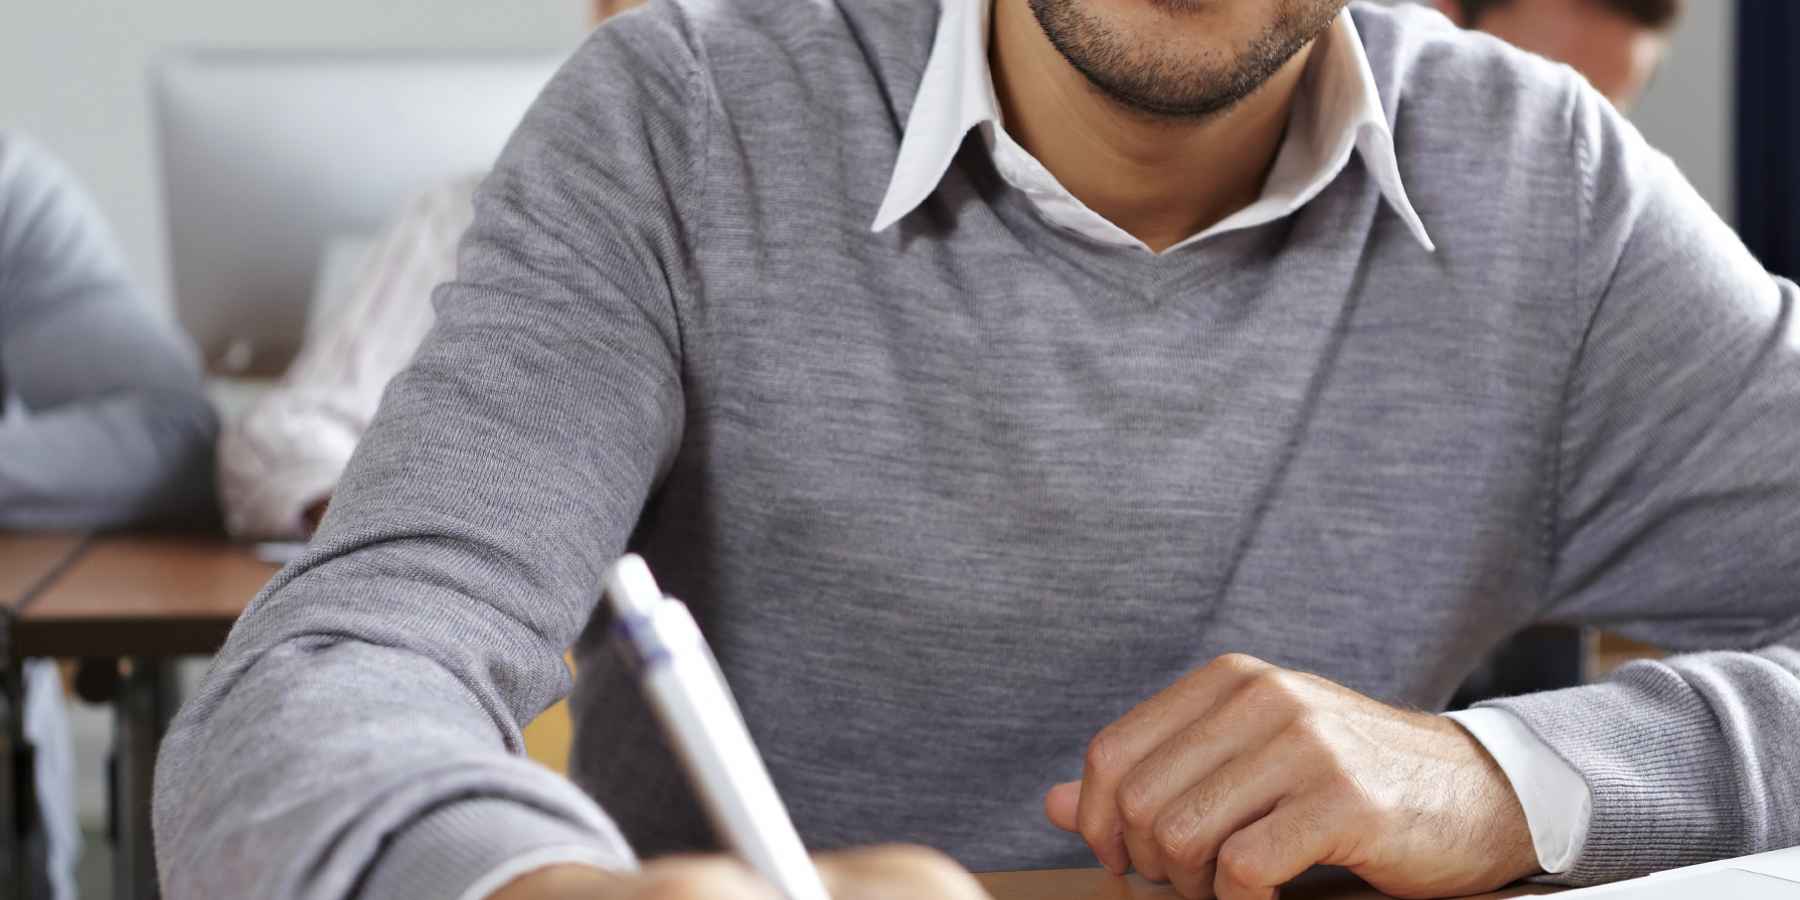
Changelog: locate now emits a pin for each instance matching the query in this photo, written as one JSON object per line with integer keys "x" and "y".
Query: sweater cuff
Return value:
{"x": 453, "y": 848}
{"x": 1656, "y": 763}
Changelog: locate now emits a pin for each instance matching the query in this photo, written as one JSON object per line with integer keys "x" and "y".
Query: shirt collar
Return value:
{"x": 1338, "y": 111}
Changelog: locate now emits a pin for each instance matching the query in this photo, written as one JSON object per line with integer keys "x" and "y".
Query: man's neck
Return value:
{"x": 1161, "y": 180}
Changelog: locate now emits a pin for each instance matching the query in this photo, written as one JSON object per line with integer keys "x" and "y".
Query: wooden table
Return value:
{"x": 1097, "y": 884}
{"x": 28, "y": 561}
{"x": 143, "y": 601}
{"x": 142, "y": 597}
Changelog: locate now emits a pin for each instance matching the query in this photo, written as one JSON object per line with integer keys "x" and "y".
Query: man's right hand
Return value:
{"x": 881, "y": 873}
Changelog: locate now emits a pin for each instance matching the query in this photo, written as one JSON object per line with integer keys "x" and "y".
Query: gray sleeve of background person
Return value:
{"x": 116, "y": 428}
{"x": 361, "y": 729}
{"x": 1678, "y": 522}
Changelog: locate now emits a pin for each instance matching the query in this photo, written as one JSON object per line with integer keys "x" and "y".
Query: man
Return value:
{"x": 1616, "y": 44}
{"x": 103, "y": 423}
{"x": 988, "y": 380}
{"x": 279, "y": 462}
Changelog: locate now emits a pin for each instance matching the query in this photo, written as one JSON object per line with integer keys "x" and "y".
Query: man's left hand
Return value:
{"x": 1243, "y": 775}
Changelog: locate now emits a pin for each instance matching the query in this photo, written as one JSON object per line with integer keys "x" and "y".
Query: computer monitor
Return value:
{"x": 269, "y": 155}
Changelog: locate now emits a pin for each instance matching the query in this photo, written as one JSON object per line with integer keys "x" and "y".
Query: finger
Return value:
{"x": 1193, "y": 884}
{"x": 696, "y": 877}
{"x": 897, "y": 873}
{"x": 1120, "y": 746}
{"x": 1145, "y": 857}
{"x": 568, "y": 880}
{"x": 1257, "y": 860}
{"x": 1241, "y": 726}
{"x": 1061, "y": 803}
{"x": 1192, "y": 828}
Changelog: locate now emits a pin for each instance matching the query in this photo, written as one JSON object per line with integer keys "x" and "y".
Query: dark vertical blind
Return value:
{"x": 1768, "y": 131}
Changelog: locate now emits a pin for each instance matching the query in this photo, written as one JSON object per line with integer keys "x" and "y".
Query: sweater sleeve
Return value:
{"x": 1678, "y": 508}
{"x": 362, "y": 725}
{"x": 114, "y": 428}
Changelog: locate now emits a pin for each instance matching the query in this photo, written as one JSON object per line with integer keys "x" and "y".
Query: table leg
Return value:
{"x": 145, "y": 705}
{"x": 15, "y": 775}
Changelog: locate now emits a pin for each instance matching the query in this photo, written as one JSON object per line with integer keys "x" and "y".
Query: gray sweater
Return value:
{"x": 950, "y": 497}
{"x": 105, "y": 423}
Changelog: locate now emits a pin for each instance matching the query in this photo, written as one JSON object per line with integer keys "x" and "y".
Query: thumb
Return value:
{"x": 1061, "y": 804}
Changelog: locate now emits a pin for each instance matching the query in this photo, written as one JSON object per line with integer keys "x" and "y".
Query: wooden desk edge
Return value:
{"x": 78, "y": 638}
{"x": 49, "y": 626}
{"x": 1098, "y": 884}
{"x": 61, "y": 550}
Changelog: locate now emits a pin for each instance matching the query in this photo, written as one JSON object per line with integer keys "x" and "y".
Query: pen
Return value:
{"x": 684, "y": 685}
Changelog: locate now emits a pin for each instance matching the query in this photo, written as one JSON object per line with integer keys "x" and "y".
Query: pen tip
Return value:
{"x": 631, "y": 587}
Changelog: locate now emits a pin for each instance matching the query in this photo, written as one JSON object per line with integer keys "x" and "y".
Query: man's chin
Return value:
{"x": 1133, "y": 54}
{"x": 1151, "y": 103}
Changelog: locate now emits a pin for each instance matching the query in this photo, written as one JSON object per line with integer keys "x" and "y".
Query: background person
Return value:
{"x": 1616, "y": 44}
{"x": 103, "y": 422}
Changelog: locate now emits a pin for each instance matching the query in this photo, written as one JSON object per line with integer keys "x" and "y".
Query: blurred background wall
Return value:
{"x": 1687, "y": 111}
{"x": 72, "y": 73}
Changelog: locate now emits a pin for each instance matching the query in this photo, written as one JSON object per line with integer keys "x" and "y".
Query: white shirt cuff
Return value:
{"x": 511, "y": 870}
{"x": 1558, "y": 805}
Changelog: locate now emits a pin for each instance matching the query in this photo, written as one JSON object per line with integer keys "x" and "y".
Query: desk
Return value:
{"x": 28, "y": 561}
{"x": 142, "y": 597}
{"x": 1096, "y": 884}
{"x": 146, "y": 601}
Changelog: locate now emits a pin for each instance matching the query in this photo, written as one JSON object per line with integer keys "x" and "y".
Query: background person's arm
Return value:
{"x": 115, "y": 429}
{"x": 287, "y": 452}
{"x": 1676, "y": 522}
{"x": 361, "y": 728}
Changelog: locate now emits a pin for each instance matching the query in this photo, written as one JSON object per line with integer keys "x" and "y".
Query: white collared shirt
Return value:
{"x": 1337, "y": 111}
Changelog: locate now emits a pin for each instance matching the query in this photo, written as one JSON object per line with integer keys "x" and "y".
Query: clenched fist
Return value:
{"x": 1243, "y": 775}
